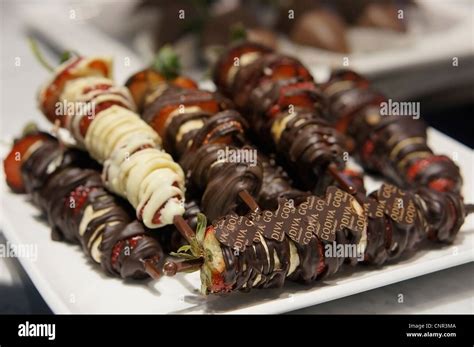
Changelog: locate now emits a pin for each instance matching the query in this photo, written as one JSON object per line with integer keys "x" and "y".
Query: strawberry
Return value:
{"x": 422, "y": 165}
{"x": 101, "y": 66}
{"x": 12, "y": 163}
{"x": 368, "y": 149}
{"x": 120, "y": 246}
{"x": 86, "y": 120}
{"x": 96, "y": 87}
{"x": 227, "y": 61}
{"x": 161, "y": 117}
{"x": 297, "y": 94}
{"x": 321, "y": 264}
{"x": 157, "y": 216}
{"x": 79, "y": 197}
{"x": 140, "y": 213}
{"x": 442, "y": 184}
{"x": 288, "y": 69}
{"x": 133, "y": 241}
{"x": 218, "y": 284}
{"x": 116, "y": 251}
{"x": 55, "y": 88}
{"x": 184, "y": 82}
{"x": 142, "y": 83}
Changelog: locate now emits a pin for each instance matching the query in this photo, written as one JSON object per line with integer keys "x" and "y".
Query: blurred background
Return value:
{"x": 418, "y": 50}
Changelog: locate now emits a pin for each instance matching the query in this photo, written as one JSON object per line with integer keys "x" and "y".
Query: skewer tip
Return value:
{"x": 342, "y": 179}
{"x": 151, "y": 269}
{"x": 469, "y": 208}
{"x": 171, "y": 268}
{"x": 249, "y": 200}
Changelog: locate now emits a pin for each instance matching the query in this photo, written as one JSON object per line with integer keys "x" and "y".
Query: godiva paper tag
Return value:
{"x": 399, "y": 204}
{"x": 373, "y": 208}
{"x": 287, "y": 217}
{"x": 267, "y": 226}
{"x": 350, "y": 213}
{"x": 235, "y": 231}
{"x": 286, "y": 220}
{"x": 315, "y": 209}
{"x": 339, "y": 210}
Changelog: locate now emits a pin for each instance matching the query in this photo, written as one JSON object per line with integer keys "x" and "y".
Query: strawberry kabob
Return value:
{"x": 265, "y": 248}
{"x": 282, "y": 103}
{"x": 393, "y": 146}
{"x": 65, "y": 185}
{"x": 101, "y": 117}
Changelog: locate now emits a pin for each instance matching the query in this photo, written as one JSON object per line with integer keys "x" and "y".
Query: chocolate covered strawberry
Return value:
{"x": 392, "y": 145}
{"x": 21, "y": 150}
{"x": 78, "y": 207}
{"x": 285, "y": 109}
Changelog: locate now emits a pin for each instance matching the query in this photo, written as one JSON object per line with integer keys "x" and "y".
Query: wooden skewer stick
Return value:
{"x": 151, "y": 268}
{"x": 171, "y": 268}
{"x": 342, "y": 179}
{"x": 469, "y": 208}
{"x": 184, "y": 229}
{"x": 249, "y": 200}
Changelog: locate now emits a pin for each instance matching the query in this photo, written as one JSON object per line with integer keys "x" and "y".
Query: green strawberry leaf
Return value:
{"x": 238, "y": 32}
{"x": 167, "y": 62}
{"x": 201, "y": 227}
{"x": 184, "y": 249}
{"x": 186, "y": 256}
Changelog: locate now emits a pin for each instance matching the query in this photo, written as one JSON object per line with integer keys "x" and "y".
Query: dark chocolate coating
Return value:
{"x": 357, "y": 178}
{"x": 170, "y": 141}
{"x": 352, "y": 10}
{"x": 276, "y": 185}
{"x": 191, "y": 210}
{"x": 248, "y": 78}
{"x": 444, "y": 213}
{"x": 45, "y": 161}
{"x": 397, "y": 142}
{"x": 218, "y": 182}
{"x": 175, "y": 97}
{"x": 227, "y": 60}
{"x": 262, "y": 91}
{"x": 51, "y": 174}
{"x": 438, "y": 216}
{"x": 253, "y": 269}
{"x": 221, "y": 182}
{"x": 313, "y": 263}
{"x": 242, "y": 269}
